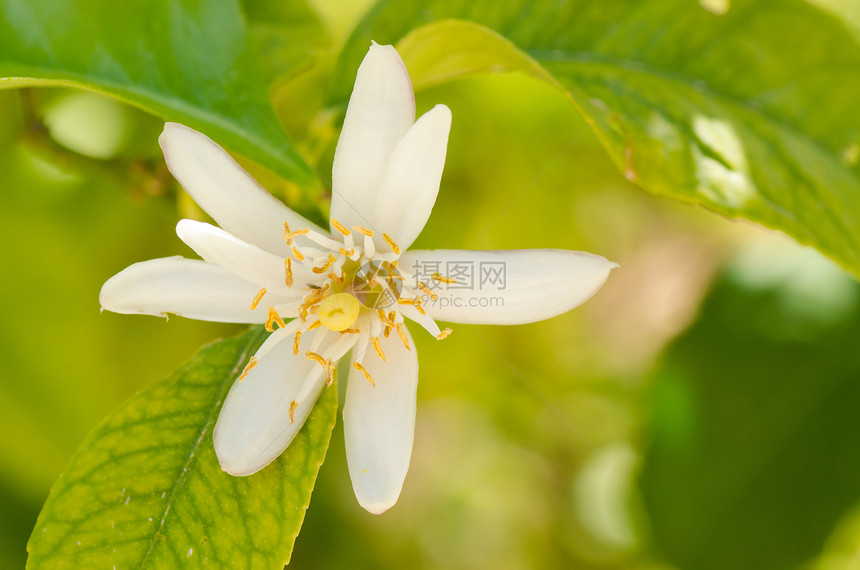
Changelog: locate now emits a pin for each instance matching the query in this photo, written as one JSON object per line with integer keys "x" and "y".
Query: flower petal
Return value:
{"x": 225, "y": 191}
{"x": 506, "y": 287}
{"x": 245, "y": 260}
{"x": 411, "y": 181}
{"x": 186, "y": 287}
{"x": 379, "y": 424}
{"x": 381, "y": 110}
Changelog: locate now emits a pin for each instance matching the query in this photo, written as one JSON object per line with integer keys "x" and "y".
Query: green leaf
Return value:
{"x": 187, "y": 61}
{"x": 145, "y": 489}
{"x": 753, "y": 457}
{"x": 751, "y": 113}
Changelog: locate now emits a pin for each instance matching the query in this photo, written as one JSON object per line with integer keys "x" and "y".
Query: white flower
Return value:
{"x": 346, "y": 289}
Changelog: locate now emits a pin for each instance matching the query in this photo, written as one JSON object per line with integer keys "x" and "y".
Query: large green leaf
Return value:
{"x": 145, "y": 489}
{"x": 754, "y": 423}
{"x": 751, "y": 113}
{"x": 185, "y": 60}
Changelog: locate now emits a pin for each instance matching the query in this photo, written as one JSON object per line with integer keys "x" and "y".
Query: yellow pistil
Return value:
{"x": 297, "y": 341}
{"x": 248, "y": 367}
{"x": 273, "y": 317}
{"x": 257, "y": 298}
{"x": 340, "y": 227}
{"x": 297, "y": 254}
{"x": 376, "y": 346}
{"x": 292, "y": 412}
{"x": 328, "y": 263}
{"x": 443, "y": 279}
{"x": 394, "y": 247}
{"x": 401, "y": 332}
{"x": 337, "y": 312}
{"x": 363, "y": 370}
{"x": 363, "y": 231}
{"x": 426, "y": 290}
{"x": 288, "y": 272}
{"x": 444, "y": 334}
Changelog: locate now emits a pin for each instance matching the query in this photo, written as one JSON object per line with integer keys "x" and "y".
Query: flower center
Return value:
{"x": 338, "y": 311}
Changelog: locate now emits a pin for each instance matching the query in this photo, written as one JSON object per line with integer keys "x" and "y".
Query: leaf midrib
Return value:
{"x": 192, "y": 453}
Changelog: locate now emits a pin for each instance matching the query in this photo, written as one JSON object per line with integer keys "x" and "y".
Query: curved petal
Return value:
{"x": 379, "y": 424}
{"x": 506, "y": 287}
{"x": 186, "y": 287}
{"x": 381, "y": 110}
{"x": 245, "y": 260}
{"x": 411, "y": 181}
{"x": 254, "y": 426}
{"x": 225, "y": 191}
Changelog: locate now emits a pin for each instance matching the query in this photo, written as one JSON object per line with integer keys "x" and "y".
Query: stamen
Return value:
{"x": 387, "y": 331}
{"x": 316, "y": 324}
{"x": 328, "y": 263}
{"x": 292, "y": 412}
{"x": 401, "y": 332}
{"x": 288, "y": 272}
{"x": 273, "y": 317}
{"x": 297, "y": 342}
{"x": 347, "y": 252}
{"x": 257, "y": 298}
{"x": 363, "y": 370}
{"x": 394, "y": 247}
{"x": 444, "y": 334}
{"x": 350, "y": 331}
{"x": 289, "y": 235}
{"x": 303, "y": 313}
{"x": 375, "y": 342}
{"x": 443, "y": 279}
{"x": 248, "y": 367}
{"x": 339, "y": 280}
{"x": 426, "y": 290}
{"x": 382, "y": 317}
{"x": 363, "y": 231}
{"x": 340, "y": 227}
{"x": 418, "y": 307}
{"x": 316, "y": 358}
{"x": 406, "y": 301}
{"x": 297, "y": 254}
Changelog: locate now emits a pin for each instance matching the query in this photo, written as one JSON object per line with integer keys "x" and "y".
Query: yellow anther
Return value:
{"x": 340, "y": 227}
{"x": 293, "y": 406}
{"x": 363, "y": 231}
{"x": 316, "y": 358}
{"x": 418, "y": 307}
{"x": 347, "y": 252}
{"x": 290, "y": 235}
{"x": 273, "y": 317}
{"x": 405, "y": 301}
{"x": 337, "y": 312}
{"x": 444, "y": 334}
{"x": 257, "y": 298}
{"x": 328, "y": 263}
{"x": 314, "y": 309}
{"x": 401, "y": 332}
{"x": 350, "y": 331}
{"x": 382, "y": 317}
{"x": 297, "y": 254}
{"x": 394, "y": 247}
{"x": 248, "y": 367}
{"x": 426, "y": 290}
{"x": 443, "y": 279}
{"x": 387, "y": 331}
{"x": 288, "y": 272}
{"x": 303, "y": 314}
{"x": 376, "y": 346}
{"x": 316, "y": 324}
{"x": 391, "y": 315}
{"x": 363, "y": 370}
{"x": 340, "y": 280}
{"x": 297, "y": 341}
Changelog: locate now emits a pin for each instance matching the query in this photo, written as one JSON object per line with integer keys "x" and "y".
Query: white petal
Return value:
{"x": 225, "y": 191}
{"x": 379, "y": 424}
{"x": 506, "y": 287}
{"x": 245, "y": 260}
{"x": 186, "y": 287}
{"x": 381, "y": 110}
{"x": 411, "y": 181}
{"x": 254, "y": 425}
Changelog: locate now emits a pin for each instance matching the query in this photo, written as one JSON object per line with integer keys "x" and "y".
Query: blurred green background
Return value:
{"x": 702, "y": 411}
